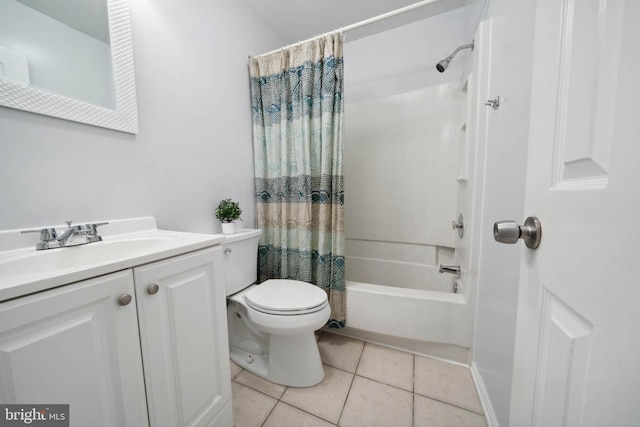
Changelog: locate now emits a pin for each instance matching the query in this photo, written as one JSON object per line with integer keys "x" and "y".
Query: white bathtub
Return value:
{"x": 395, "y": 296}
{"x": 437, "y": 324}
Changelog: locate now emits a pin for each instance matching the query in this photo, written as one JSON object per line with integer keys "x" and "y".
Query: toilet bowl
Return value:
{"x": 271, "y": 325}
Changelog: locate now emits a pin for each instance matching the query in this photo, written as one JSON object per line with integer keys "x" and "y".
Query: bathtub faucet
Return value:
{"x": 451, "y": 269}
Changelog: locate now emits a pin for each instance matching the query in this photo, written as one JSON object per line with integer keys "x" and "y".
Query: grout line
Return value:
{"x": 344, "y": 405}
{"x": 350, "y": 385}
{"x": 269, "y": 414}
{"x": 413, "y": 391}
{"x": 360, "y": 357}
{"x": 450, "y": 404}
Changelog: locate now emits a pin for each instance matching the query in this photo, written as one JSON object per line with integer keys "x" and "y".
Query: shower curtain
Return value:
{"x": 297, "y": 107}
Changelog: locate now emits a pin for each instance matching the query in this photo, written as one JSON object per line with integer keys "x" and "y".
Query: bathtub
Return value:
{"x": 395, "y": 296}
{"x": 437, "y": 324}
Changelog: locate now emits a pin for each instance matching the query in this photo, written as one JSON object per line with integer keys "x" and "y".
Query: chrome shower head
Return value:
{"x": 442, "y": 65}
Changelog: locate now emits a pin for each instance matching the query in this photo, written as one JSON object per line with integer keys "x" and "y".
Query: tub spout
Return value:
{"x": 451, "y": 269}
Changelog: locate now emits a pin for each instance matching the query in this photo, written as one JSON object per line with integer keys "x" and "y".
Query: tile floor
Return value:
{"x": 364, "y": 385}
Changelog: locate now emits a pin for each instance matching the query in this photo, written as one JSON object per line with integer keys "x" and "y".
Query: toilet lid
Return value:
{"x": 280, "y": 296}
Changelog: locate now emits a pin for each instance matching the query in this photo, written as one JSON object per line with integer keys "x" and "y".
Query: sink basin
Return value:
{"x": 52, "y": 260}
{"x": 26, "y": 270}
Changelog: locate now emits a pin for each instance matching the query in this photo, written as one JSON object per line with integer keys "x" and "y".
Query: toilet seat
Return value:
{"x": 286, "y": 297}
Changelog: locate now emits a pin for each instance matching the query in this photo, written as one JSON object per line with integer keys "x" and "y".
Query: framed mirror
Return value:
{"x": 71, "y": 59}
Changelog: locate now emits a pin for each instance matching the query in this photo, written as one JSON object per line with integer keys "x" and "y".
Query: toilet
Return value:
{"x": 271, "y": 325}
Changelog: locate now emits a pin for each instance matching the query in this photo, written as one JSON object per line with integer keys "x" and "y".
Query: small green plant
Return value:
{"x": 228, "y": 211}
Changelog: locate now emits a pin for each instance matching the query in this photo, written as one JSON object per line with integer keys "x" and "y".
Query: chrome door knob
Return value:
{"x": 511, "y": 232}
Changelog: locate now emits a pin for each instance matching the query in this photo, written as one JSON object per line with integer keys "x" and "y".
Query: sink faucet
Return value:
{"x": 451, "y": 269}
{"x": 72, "y": 236}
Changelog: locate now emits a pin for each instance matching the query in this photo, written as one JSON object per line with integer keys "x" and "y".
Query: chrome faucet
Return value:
{"x": 51, "y": 238}
{"x": 451, "y": 269}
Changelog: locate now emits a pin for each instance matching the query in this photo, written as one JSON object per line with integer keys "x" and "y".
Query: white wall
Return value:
{"x": 194, "y": 147}
{"x": 505, "y": 168}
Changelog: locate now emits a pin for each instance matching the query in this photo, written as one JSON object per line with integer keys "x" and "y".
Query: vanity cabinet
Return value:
{"x": 183, "y": 334}
{"x": 85, "y": 344}
{"x": 76, "y": 345}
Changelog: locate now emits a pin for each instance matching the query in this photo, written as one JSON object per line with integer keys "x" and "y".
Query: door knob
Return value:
{"x": 511, "y": 232}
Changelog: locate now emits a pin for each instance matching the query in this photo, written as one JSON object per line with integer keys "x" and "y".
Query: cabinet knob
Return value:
{"x": 153, "y": 289}
{"x": 124, "y": 299}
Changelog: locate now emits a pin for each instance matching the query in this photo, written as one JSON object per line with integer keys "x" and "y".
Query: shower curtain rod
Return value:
{"x": 360, "y": 24}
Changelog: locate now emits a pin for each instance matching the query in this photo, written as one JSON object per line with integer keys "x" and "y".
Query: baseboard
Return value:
{"x": 484, "y": 397}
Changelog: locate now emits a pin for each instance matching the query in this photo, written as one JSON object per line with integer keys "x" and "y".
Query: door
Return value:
{"x": 76, "y": 345}
{"x": 577, "y": 358}
{"x": 183, "y": 332}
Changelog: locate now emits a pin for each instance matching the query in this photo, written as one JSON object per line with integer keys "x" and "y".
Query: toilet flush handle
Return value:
{"x": 227, "y": 251}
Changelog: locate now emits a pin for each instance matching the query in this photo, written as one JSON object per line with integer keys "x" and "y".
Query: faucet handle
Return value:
{"x": 68, "y": 223}
{"x": 92, "y": 227}
{"x": 92, "y": 233}
{"x": 48, "y": 238}
{"x": 46, "y": 234}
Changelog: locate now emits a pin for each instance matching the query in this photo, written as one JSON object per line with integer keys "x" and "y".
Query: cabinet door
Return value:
{"x": 183, "y": 331}
{"x": 75, "y": 345}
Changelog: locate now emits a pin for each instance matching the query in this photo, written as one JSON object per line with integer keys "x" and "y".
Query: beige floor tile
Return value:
{"x": 250, "y": 408}
{"x": 431, "y": 413}
{"x": 446, "y": 382}
{"x": 285, "y": 415}
{"x": 324, "y": 400}
{"x": 340, "y": 352}
{"x": 260, "y": 384}
{"x": 235, "y": 369}
{"x": 372, "y": 404}
{"x": 387, "y": 365}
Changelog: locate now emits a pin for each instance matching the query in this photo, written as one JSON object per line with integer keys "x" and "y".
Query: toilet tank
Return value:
{"x": 240, "y": 253}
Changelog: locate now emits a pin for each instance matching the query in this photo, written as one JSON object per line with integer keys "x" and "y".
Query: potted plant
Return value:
{"x": 228, "y": 212}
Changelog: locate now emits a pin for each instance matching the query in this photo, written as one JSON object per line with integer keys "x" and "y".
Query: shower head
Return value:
{"x": 442, "y": 65}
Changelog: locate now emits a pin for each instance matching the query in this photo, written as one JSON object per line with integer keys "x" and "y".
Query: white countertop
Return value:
{"x": 126, "y": 243}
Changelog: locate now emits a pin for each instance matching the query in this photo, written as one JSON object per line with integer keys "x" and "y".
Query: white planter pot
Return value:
{"x": 228, "y": 227}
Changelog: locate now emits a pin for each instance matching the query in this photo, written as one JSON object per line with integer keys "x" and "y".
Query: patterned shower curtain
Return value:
{"x": 297, "y": 104}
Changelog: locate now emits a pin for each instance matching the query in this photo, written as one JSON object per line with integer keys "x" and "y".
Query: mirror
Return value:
{"x": 71, "y": 59}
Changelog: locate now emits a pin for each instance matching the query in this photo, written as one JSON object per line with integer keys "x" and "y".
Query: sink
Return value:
{"x": 25, "y": 270}
{"x": 52, "y": 260}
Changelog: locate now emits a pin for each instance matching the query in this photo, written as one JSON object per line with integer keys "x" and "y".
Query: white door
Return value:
{"x": 183, "y": 332}
{"x": 577, "y": 359}
{"x": 76, "y": 345}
